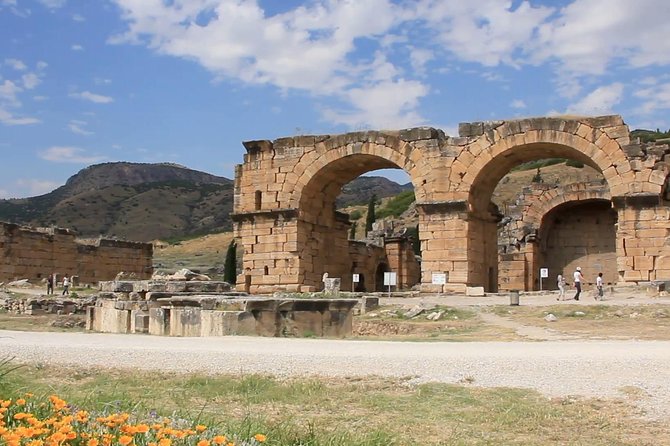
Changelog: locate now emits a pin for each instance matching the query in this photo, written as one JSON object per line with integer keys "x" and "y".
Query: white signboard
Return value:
{"x": 390, "y": 279}
{"x": 439, "y": 278}
{"x": 544, "y": 273}
{"x": 356, "y": 278}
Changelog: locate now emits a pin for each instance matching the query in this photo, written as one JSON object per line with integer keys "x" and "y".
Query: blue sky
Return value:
{"x": 187, "y": 81}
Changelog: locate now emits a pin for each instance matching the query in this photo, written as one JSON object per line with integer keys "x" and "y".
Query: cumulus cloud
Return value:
{"x": 77, "y": 47}
{"x": 9, "y": 118}
{"x": 308, "y": 48}
{"x": 92, "y": 97}
{"x": 317, "y": 47}
{"x": 518, "y": 104}
{"x": 53, "y": 4}
{"x": 654, "y": 98}
{"x": 78, "y": 127}
{"x": 32, "y": 187}
{"x": 16, "y": 64}
{"x": 65, "y": 154}
{"x": 600, "y": 101}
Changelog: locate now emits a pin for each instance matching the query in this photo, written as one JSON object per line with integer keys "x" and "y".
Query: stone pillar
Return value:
{"x": 643, "y": 238}
{"x": 271, "y": 259}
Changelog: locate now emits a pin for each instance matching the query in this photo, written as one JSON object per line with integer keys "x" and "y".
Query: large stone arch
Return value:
{"x": 285, "y": 205}
{"x": 497, "y": 151}
{"x": 453, "y": 179}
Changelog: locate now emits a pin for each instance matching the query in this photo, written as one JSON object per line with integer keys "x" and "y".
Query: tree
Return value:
{"x": 230, "y": 267}
{"x": 352, "y": 231}
{"x": 370, "y": 218}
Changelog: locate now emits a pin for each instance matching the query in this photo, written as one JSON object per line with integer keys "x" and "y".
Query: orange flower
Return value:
{"x": 93, "y": 442}
{"x": 125, "y": 440}
{"x": 203, "y": 443}
{"x": 260, "y": 438}
{"x": 200, "y": 428}
{"x": 20, "y": 402}
{"x": 219, "y": 439}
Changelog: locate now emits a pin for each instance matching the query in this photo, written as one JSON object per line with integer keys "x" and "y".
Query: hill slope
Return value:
{"x": 131, "y": 201}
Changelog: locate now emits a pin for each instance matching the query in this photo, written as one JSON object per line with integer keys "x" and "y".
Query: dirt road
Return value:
{"x": 555, "y": 368}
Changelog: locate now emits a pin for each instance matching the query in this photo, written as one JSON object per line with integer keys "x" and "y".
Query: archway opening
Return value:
{"x": 505, "y": 197}
{"x": 336, "y": 233}
{"x": 579, "y": 234}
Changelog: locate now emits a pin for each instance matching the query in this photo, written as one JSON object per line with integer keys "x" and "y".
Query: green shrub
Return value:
{"x": 397, "y": 205}
{"x": 355, "y": 215}
{"x": 574, "y": 163}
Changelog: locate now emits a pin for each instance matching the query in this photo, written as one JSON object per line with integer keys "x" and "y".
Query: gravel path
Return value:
{"x": 555, "y": 368}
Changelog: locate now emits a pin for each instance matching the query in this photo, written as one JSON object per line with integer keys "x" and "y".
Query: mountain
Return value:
{"x": 131, "y": 201}
{"x": 360, "y": 190}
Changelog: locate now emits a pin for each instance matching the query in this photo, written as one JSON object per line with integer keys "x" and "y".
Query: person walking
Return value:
{"x": 560, "y": 281}
{"x": 599, "y": 287}
{"x": 578, "y": 282}
{"x": 50, "y": 284}
{"x": 66, "y": 285}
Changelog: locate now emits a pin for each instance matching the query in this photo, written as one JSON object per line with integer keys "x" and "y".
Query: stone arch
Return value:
{"x": 344, "y": 158}
{"x": 553, "y": 198}
{"x": 322, "y": 232}
{"x": 515, "y": 142}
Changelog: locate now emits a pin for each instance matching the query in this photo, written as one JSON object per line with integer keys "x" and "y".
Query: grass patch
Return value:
{"x": 334, "y": 412}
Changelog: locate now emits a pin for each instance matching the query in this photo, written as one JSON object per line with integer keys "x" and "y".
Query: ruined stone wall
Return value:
{"x": 28, "y": 253}
{"x": 402, "y": 260}
{"x": 582, "y": 235}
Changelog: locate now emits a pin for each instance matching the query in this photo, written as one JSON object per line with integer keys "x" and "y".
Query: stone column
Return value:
{"x": 643, "y": 238}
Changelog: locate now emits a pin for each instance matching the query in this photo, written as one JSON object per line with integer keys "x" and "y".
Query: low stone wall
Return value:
{"x": 34, "y": 253}
{"x": 223, "y": 316}
{"x": 38, "y": 305}
{"x": 192, "y": 308}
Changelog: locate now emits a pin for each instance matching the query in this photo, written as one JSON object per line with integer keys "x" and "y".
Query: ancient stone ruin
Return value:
{"x": 286, "y": 221}
{"x": 34, "y": 253}
{"x": 209, "y": 308}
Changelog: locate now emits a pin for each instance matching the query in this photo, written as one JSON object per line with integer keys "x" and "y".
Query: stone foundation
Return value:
{"x": 165, "y": 308}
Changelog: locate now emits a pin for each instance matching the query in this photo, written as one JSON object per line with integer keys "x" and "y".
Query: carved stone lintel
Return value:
{"x": 286, "y": 214}
{"x": 636, "y": 201}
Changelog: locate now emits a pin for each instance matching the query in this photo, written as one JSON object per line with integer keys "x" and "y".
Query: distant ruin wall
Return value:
{"x": 34, "y": 253}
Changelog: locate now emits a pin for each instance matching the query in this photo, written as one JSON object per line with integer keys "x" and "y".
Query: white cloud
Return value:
{"x": 317, "y": 47}
{"x": 40, "y": 98}
{"x": 307, "y": 48}
{"x": 8, "y": 118}
{"x": 488, "y": 32}
{"x": 63, "y": 154}
{"x": 77, "y": 47}
{"x": 518, "y": 103}
{"x": 390, "y": 104}
{"x": 599, "y": 102}
{"x": 654, "y": 98}
{"x": 16, "y": 64}
{"x": 53, "y": 4}
{"x": 34, "y": 187}
{"x": 30, "y": 81}
{"x": 92, "y": 97}
{"x": 9, "y": 93}
{"x": 78, "y": 18}
{"x": 589, "y": 35}
{"x": 77, "y": 127}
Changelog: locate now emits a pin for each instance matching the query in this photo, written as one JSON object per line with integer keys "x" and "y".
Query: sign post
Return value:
{"x": 354, "y": 280}
{"x": 390, "y": 279}
{"x": 439, "y": 279}
{"x": 544, "y": 273}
